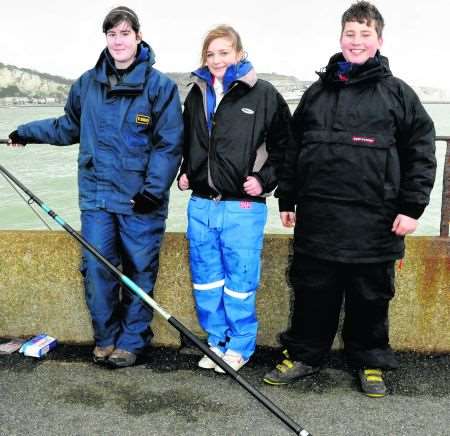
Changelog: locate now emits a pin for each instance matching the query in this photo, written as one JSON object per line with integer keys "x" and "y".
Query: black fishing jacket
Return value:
{"x": 364, "y": 152}
{"x": 250, "y": 132}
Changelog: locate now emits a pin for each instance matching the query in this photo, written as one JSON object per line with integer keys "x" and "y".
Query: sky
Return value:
{"x": 293, "y": 37}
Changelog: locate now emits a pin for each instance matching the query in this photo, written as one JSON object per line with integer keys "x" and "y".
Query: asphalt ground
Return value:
{"x": 166, "y": 394}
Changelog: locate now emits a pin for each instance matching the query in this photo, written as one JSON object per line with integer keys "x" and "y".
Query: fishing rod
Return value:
{"x": 7, "y": 141}
{"x": 28, "y": 203}
{"x": 296, "y": 428}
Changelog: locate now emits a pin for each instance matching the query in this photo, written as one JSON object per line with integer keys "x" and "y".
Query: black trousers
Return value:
{"x": 320, "y": 287}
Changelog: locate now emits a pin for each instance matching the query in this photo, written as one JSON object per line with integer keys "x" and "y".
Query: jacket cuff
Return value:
{"x": 285, "y": 205}
{"x": 21, "y": 133}
{"x": 20, "y": 130}
{"x": 412, "y": 210}
{"x": 258, "y": 177}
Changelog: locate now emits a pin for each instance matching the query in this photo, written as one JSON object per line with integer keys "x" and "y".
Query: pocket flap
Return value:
{"x": 358, "y": 139}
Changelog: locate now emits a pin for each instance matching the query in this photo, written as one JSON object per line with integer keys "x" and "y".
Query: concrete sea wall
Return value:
{"x": 41, "y": 291}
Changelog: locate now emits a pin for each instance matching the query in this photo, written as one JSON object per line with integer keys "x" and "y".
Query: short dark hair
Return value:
{"x": 119, "y": 14}
{"x": 364, "y": 12}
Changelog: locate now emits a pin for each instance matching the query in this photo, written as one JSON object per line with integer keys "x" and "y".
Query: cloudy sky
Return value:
{"x": 284, "y": 36}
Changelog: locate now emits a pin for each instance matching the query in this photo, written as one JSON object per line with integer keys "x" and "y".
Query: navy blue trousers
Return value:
{"x": 119, "y": 317}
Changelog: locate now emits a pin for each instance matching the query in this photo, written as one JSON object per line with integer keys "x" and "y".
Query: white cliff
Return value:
{"x": 25, "y": 83}
{"x": 22, "y": 86}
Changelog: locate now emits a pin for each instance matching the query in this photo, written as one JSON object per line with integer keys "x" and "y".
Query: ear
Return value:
{"x": 139, "y": 37}
{"x": 380, "y": 42}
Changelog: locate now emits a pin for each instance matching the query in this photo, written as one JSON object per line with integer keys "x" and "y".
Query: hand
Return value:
{"x": 404, "y": 225}
{"x": 252, "y": 186}
{"x": 16, "y": 140}
{"x": 144, "y": 202}
{"x": 183, "y": 182}
{"x": 287, "y": 219}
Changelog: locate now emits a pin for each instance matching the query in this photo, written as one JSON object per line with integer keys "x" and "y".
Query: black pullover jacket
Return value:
{"x": 364, "y": 152}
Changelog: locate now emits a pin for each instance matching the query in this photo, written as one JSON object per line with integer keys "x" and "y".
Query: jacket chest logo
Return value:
{"x": 363, "y": 139}
{"x": 143, "y": 119}
{"x": 247, "y": 110}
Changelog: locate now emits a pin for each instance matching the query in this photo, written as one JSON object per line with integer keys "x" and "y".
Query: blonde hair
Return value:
{"x": 222, "y": 31}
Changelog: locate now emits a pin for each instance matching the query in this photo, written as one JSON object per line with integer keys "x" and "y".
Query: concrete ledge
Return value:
{"x": 41, "y": 291}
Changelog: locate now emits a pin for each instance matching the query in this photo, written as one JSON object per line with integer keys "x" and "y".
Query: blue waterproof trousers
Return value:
{"x": 132, "y": 241}
{"x": 225, "y": 243}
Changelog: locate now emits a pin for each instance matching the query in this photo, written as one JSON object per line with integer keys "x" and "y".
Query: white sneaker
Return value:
{"x": 206, "y": 363}
{"x": 234, "y": 359}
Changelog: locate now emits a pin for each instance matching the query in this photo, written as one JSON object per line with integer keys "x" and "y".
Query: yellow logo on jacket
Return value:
{"x": 143, "y": 119}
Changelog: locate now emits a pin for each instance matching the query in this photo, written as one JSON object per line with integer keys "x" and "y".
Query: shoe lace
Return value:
{"x": 373, "y": 375}
{"x": 285, "y": 365}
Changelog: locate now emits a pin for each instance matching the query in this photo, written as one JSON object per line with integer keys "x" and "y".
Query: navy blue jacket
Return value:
{"x": 130, "y": 133}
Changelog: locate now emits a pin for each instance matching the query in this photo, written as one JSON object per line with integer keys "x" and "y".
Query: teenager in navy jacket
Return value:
{"x": 127, "y": 117}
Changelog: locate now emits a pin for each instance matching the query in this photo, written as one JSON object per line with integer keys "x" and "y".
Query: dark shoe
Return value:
{"x": 121, "y": 358}
{"x": 372, "y": 383}
{"x": 101, "y": 354}
{"x": 288, "y": 371}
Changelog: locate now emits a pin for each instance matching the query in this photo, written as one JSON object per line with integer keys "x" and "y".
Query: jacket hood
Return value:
{"x": 374, "y": 68}
{"x": 242, "y": 71}
{"x": 145, "y": 58}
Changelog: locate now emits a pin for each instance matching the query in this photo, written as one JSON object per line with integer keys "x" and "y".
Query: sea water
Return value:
{"x": 51, "y": 174}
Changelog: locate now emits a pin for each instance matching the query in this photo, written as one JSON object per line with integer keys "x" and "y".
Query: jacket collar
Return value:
{"x": 373, "y": 69}
{"x": 241, "y": 72}
{"x": 133, "y": 80}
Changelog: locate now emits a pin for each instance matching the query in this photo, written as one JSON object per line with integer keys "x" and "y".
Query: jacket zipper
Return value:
{"x": 210, "y": 180}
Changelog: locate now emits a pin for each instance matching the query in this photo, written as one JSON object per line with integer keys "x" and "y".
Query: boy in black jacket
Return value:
{"x": 358, "y": 178}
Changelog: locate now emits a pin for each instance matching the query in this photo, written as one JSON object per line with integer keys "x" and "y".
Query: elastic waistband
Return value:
{"x": 220, "y": 197}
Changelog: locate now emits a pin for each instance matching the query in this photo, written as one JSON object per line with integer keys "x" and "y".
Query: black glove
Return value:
{"x": 16, "y": 138}
{"x": 144, "y": 202}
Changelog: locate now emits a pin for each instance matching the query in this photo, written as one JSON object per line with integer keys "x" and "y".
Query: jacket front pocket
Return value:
{"x": 343, "y": 166}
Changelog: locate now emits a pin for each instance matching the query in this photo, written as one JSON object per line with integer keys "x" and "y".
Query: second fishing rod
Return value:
{"x": 134, "y": 288}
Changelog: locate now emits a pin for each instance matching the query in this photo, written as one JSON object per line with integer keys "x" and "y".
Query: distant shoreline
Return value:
{"x": 288, "y": 100}
{"x": 31, "y": 105}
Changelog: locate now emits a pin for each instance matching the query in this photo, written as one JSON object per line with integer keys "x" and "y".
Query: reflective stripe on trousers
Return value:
{"x": 225, "y": 242}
